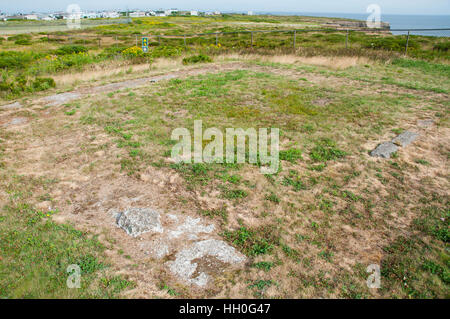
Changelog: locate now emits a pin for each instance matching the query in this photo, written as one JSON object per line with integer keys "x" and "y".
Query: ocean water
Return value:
{"x": 395, "y": 20}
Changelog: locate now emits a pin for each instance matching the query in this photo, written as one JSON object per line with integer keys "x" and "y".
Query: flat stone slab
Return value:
{"x": 137, "y": 221}
{"x": 384, "y": 150}
{"x": 405, "y": 138}
{"x": 191, "y": 227}
{"x": 184, "y": 266}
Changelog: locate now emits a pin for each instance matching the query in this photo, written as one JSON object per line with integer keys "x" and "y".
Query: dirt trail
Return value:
{"x": 66, "y": 97}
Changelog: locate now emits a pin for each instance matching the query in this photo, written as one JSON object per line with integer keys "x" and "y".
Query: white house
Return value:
{"x": 110, "y": 14}
{"x": 194, "y": 13}
{"x": 31, "y": 17}
{"x": 90, "y": 15}
{"x": 137, "y": 14}
{"x": 250, "y": 13}
{"x": 169, "y": 12}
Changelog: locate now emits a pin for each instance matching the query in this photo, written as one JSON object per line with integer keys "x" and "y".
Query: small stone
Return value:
{"x": 16, "y": 121}
{"x": 15, "y": 105}
{"x": 425, "y": 123}
{"x": 137, "y": 221}
{"x": 405, "y": 138}
{"x": 384, "y": 150}
{"x": 61, "y": 98}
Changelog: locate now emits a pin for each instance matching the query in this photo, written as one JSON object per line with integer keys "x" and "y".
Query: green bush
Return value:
{"x": 71, "y": 49}
{"x": 443, "y": 46}
{"x": 12, "y": 86}
{"x": 391, "y": 44}
{"x": 23, "y": 42}
{"x": 201, "y": 58}
{"x": 18, "y": 37}
{"x": 42, "y": 84}
{"x": 112, "y": 52}
{"x": 166, "y": 51}
{"x": 16, "y": 60}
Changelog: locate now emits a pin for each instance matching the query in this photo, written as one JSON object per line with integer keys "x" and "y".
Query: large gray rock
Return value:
{"x": 137, "y": 221}
{"x": 405, "y": 138}
{"x": 384, "y": 150}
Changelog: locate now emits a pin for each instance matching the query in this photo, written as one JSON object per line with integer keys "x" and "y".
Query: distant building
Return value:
{"x": 49, "y": 18}
{"x": 16, "y": 17}
{"x": 137, "y": 14}
{"x": 170, "y": 12}
{"x": 250, "y": 13}
{"x": 90, "y": 15}
{"x": 31, "y": 17}
{"x": 217, "y": 13}
{"x": 150, "y": 14}
{"x": 194, "y": 13}
{"x": 110, "y": 14}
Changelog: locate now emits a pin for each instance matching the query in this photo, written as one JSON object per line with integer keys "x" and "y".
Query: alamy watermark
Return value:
{"x": 240, "y": 145}
{"x": 374, "y": 19}
{"x": 74, "y": 279}
{"x": 74, "y": 16}
{"x": 374, "y": 279}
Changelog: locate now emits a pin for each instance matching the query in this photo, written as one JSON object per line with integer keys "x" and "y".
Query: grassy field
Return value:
{"x": 28, "y": 62}
{"x": 308, "y": 231}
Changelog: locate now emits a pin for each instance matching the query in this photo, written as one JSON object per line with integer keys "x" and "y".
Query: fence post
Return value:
{"x": 99, "y": 40}
{"x": 295, "y": 37}
{"x": 346, "y": 40}
{"x": 185, "y": 40}
{"x": 252, "y": 38}
{"x": 136, "y": 40}
{"x": 407, "y": 42}
{"x": 159, "y": 40}
{"x": 217, "y": 39}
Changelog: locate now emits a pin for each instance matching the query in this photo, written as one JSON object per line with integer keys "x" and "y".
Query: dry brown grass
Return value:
{"x": 332, "y": 62}
{"x": 114, "y": 68}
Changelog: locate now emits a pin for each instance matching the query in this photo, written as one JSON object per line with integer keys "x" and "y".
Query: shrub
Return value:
{"x": 201, "y": 58}
{"x": 18, "y": 37}
{"x": 391, "y": 44}
{"x": 112, "y": 52}
{"x": 42, "y": 84}
{"x": 71, "y": 49}
{"x": 166, "y": 51}
{"x": 23, "y": 42}
{"x": 444, "y": 46}
{"x": 133, "y": 52}
{"x": 17, "y": 85}
{"x": 16, "y": 60}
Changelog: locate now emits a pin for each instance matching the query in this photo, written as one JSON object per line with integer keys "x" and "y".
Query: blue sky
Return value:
{"x": 333, "y": 6}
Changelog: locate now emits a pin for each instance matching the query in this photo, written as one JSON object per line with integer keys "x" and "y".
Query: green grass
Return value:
{"x": 37, "y": 251}
{"x": 253, "y": 242}
{"x": 325, "y": 150}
